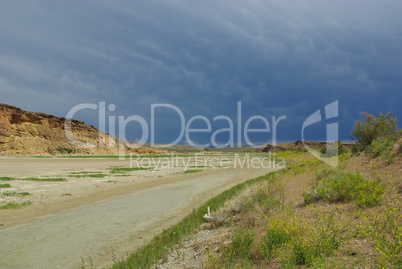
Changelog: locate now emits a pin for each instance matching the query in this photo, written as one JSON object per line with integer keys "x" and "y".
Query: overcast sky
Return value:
{"x": 278, "y": 58}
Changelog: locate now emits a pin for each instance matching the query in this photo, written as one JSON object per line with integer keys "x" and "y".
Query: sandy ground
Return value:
{"x": 101, "y": 219}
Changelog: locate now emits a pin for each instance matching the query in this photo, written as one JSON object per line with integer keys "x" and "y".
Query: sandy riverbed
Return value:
{"x": 99, "y": 217}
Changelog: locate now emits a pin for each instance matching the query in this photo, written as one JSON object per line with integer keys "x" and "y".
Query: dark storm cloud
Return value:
{"x": 277, "y": 57}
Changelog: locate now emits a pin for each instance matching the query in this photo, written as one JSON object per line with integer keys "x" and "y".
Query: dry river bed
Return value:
{"x": 101, "y": 218}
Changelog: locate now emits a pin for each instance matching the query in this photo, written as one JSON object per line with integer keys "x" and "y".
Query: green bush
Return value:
{"x": 375, "y": 135}
{"x": 330, "y": 172}
{"x": 294, "y": 242}
{"x": 345, "y": 187}
{"x": 320, "y": 240}
{"x": 242, "y": 243}
{"x": 372, "y": 128}
{"x": 273, "y": 240}
{"x": 383, "y": 146}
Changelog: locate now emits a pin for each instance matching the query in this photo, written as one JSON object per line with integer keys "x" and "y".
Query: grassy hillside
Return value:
{"x": 314, "y": 216}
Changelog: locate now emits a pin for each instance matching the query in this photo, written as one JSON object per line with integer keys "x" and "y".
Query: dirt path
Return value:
{"x": 112, "y": 225}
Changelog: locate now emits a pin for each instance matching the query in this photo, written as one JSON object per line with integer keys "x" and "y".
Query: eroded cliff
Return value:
{"x": 32, "y": 133}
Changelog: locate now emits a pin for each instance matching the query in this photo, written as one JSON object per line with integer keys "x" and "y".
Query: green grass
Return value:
{"x": 160, "y": 245}
{"x": 5, "y": 186}
{"x": 6, "y": 178}
{"x": 289, "y": 154}
{"x": 10, "y": 194}
{"x": 99, "y": 175}
{"x": 15, "y": 205}
{"x": 83, "y": 173}
{"x": 192, "y": 171}
{"x": 127, "y": 169}
{"x": 33, "y": 179}
{"x": 42, "y": 179}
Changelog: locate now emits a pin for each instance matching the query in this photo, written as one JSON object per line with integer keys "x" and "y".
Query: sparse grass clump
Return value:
{"x": 5, "y": 186}
{"x": 10, "y": 194}
{"x": 83, "y": 173}
{"x": 14, "y": 205}
{"x": 127, "y": 169}
{"x": 266, "y": 196}
{"x": 192, "y": 171}
{"x": 304, "y": 166}
{"x": 340, "y": 186}
{"x": 6, "y": 178}
{"x": 33, "y": 179}
{"x": 98, "y": 175}
{"x": 42, "y": 179}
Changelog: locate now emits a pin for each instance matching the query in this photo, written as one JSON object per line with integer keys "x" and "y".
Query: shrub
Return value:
{"x": 368, "y": 193}
{"x": 372, "y": 128}
{"x": 344, "y": 186}
{"x": 384, "y": 147}
{"x": 329, "y": 171}
{"x": 273, "y": 240}
{"x": 299, "y": 243}
{"x": 318, "y": 241}
{"x": 242, "y": 242}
